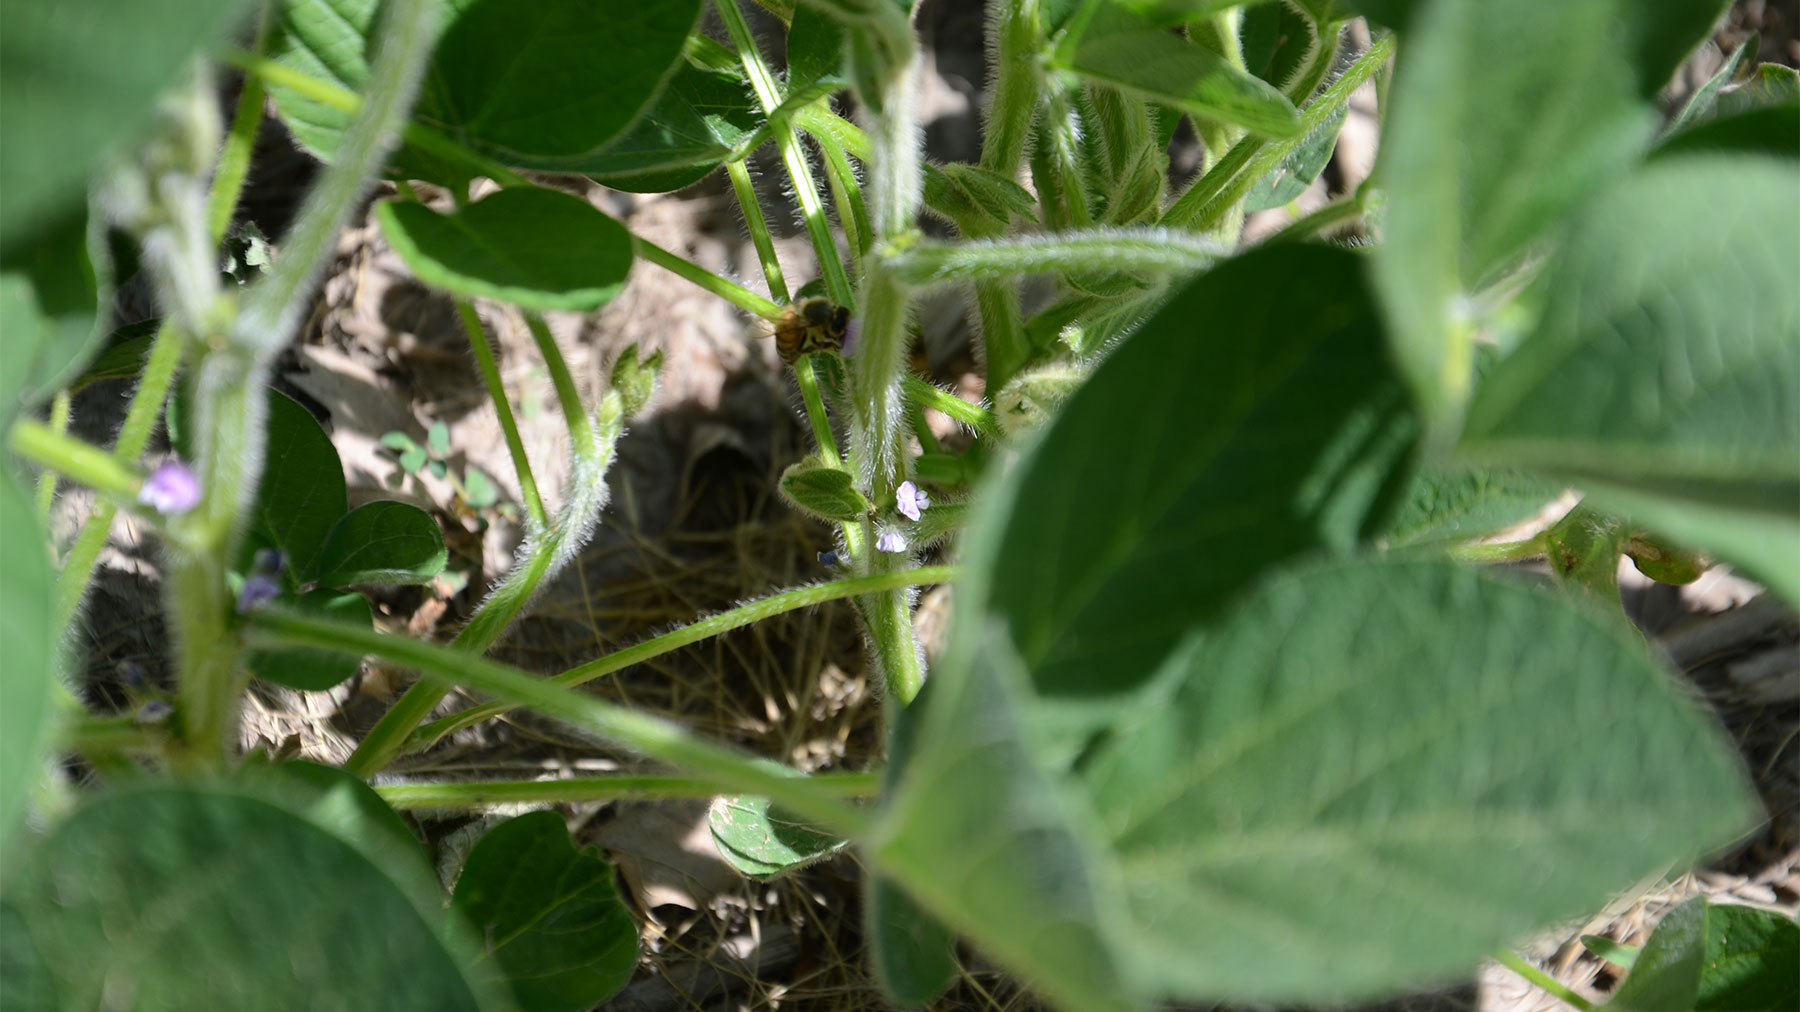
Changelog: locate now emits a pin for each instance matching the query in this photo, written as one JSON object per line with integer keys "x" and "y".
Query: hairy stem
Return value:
{"x": 509, "y": 427}
{"x": 637, "y": 787}
{"x": 727, "y": 769}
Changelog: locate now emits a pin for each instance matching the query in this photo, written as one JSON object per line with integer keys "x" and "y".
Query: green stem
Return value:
{"x": 545, "y": 551}
{"x": 73, "y": 458}
{"x": 509, "y": 427}
{"x": 1187, "y": 209}
{"x": 140, "y": 418}
{"x": 1268, "y": 155}
{"x": 648, "y": 787}
{"x": 240, "y": 142}
{"x": 714, "y": 625}
{"x": 1118, "y": 249}
{"x": 727, "y": 769}
{"x": 732, "y": 292}
{"x": 1016, "y": 41}
{"x": 59, "y": 424}
{"x": 758, "y": 228}
{"x": 1321, "y": 221}
{"x": 837, "y": 283}
{"x": 1533, "y": 547}
{"x": 1556, "y": 988}
{"x": 973, "y": 415}
{"x": 846, "y": 194}
{"x": 808, "y": 378}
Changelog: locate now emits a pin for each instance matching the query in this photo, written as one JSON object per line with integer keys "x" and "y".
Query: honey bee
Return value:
{"x": 808, "y": 326}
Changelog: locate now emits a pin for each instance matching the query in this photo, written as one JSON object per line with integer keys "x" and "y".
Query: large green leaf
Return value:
{"x": 28, "y": 676}
{"x": 301, "y": 494}
{"x": 1752, "y": 961}
{"x": 1665, "y": 976}
{"x": 683, "y": 137}
{"x": 1253, "y": 419}
{"x": 235, "y": 895}
{"x": 1504, "y": 115}
{"x": 540, "y": 249}
{"x": 539, "y": 82}
{"x": 77, "y": 79}
{"x": 982, "y": 837}
{"x": 50, "y": 294}
{"x": 517, "y": 79}
{"x": 1126, "y": 51}
{"x": 550, "y": 913}
{"x": 1664, "y": 360}
{"x": 1457, "y": 503}
{"x": 382, "y": 542}
{"x": 1371, "y": 773}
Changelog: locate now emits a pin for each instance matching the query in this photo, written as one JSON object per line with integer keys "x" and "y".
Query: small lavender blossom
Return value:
{"x": 171, "y": 489}
{"x": 911, "y": 499}
{"x": 264, "y": 582}
{"x": 257, "y": 591}
{"x": 852, "y": 337}
{"x": 891, "y": 541}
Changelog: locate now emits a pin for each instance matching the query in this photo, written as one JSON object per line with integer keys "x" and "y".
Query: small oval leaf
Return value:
{"x": 382, "y": 542}
{"x": 550, "y": 913}
{"x": 536, "y": 248}
{"x": 761, "y": 841}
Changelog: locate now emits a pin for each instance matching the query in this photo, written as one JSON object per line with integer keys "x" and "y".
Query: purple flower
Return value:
{"x": 257, "y": 591}
{"x": 852, "y": 337}
{"x": 171, "y": 489}
{"x": 911, "y": 500}
{"x": 829, "y": 559}
{"x": 264, "y": 582}
{"x": 891, "y": 541}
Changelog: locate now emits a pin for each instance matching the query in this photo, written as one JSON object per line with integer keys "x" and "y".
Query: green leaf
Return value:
{"x": 982, "y": 837}
{"x": 241, "y": 895}
{"x": 481, "y": 492}
{"x": 1665, "y": 977}
{"x": 1621, "y": 956}
{"x": 438, "y": 439}
{"x": 977, "y": 201}
{"x": 683, "y": 137}
{"x": 761, "y": 841}
{"x": 1760, "y": 130}
{"x": 1504, "y": 116}
{"x": 824, "y": 492}
{"x": 546, "y": 83}
{"x": 815, "y": 49}
{"x": 1664, "y": 359}
{"x": 301, "y": 494}
{"x": 399, "y": 442}
{"x": 27, "y": 678}
{"x": 123, "y": 356}
{"x": 1297, "y": 171}
{"x": 539, "y": 249}
{"x": 382, "y": 542}
{"x": 315, "y": 670}
{"x": 1291, "y": 436}
{"x": 78, "y": 81}
{"x": 1459, "y": 502}
{"x": 1122, "y": 49}
{"x": 911, "y": 953}
{"x": 1752, "y": 961}
{"x": 415, "y": 458}
{"x": 550, "y": 913}
{"x": 1772, "y": 84}
{"x": 1371, "y": 773}
{"x": 1700, "y": 104}
{"x": 50, "y": 294}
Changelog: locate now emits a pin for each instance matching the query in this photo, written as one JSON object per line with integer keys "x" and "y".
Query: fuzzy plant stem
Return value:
{"x": 812, "y": 210}
{"x": 1191, "y": 208}
{"x": 509, "y": 427}
{"x": 60, "y": 453}
{"x": 694, "y": 632}
{"x": 230, "y": 405}
{"x": 1554, "y": 987}
{"x": 545, "y": 551}
{"x": 634, "y": 787}
{"x": 758, "y": 228}
{"x": 46, "y": 485}
{"x": 729, "y": 770}
{"x": 1124, "y": 249}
